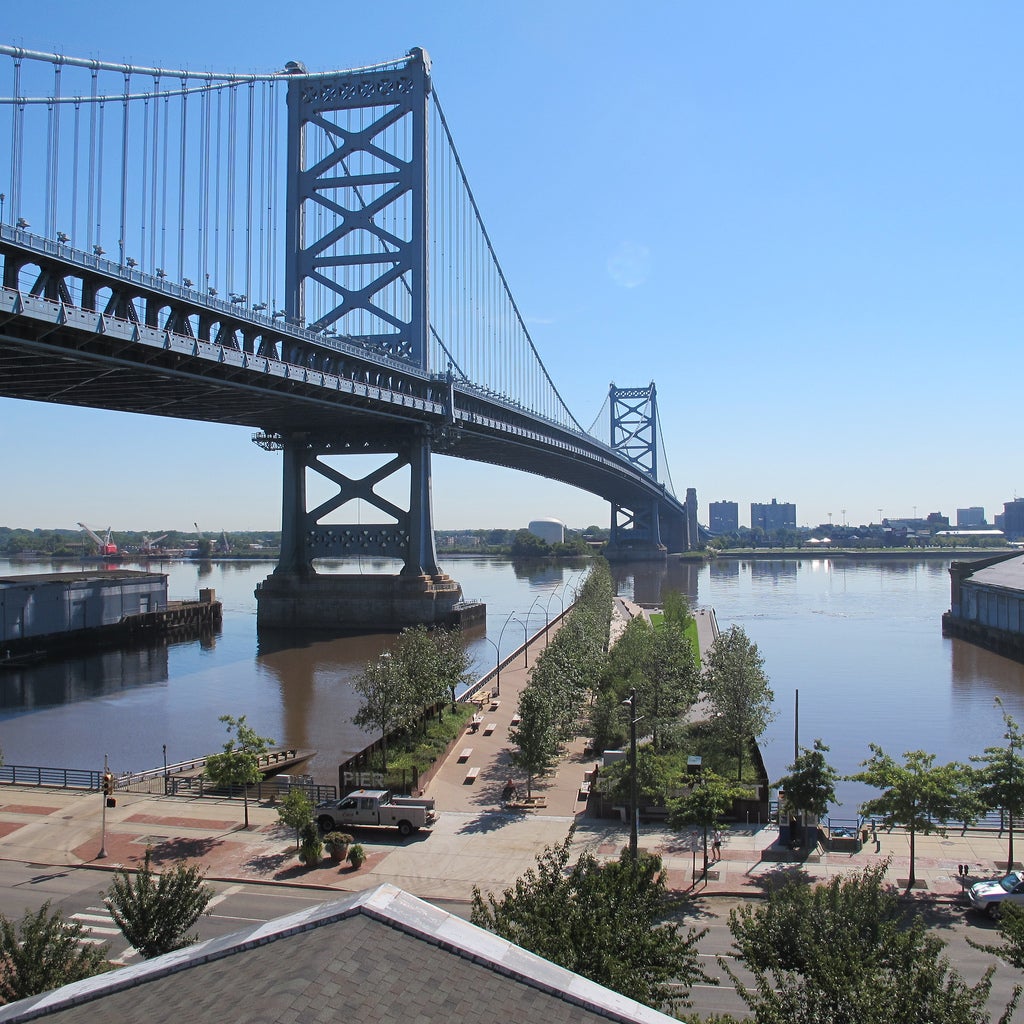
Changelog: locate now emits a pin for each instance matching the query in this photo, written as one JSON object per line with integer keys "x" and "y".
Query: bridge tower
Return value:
{"x": 357, "y": 240}
{"x": 642, "y": 531}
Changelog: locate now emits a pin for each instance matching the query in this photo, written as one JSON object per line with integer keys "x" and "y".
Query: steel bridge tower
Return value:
{"x": 639, "y": 531}
{"x": 358, "y": 230}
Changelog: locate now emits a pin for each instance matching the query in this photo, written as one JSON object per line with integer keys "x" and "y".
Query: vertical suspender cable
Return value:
{"x": 74, "y": 175}
{"x": 272, "y": 155}
{"x": 121, "y": 240}
{"x": 48, "y": 178}
{"x": 181, "y": 181}
{"x": 204, "y": 207}
{"x": 147, "y": 266}
{"x": 17, "y": 132}
{"x": 216, "y": 190}
{"x": 156, "y": 165}
{"x": 231, "y": 138}
{"x": 165, "y": 155}
{"x": 54, "y": 192}
{"x": 248, "y": 196}
{"x": 261, "y": 248}
{"x": 91, "y": 204}
{"x": 99, "y": 175}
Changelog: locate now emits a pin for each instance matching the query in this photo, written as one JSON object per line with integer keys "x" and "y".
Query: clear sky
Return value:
{"x": 802, "y": 220}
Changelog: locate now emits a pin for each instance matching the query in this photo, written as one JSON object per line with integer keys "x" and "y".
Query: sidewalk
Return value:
{"x": 476, "y": 841}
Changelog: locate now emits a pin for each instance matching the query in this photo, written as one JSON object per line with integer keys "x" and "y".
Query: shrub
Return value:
{"x": 356, "y": 856}
{"x": 311, "y": 846}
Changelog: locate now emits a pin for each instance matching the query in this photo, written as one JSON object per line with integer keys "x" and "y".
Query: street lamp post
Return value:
{"x": 103, "y": 819}
{"x": 165, "y": 769}
{"x": 526, "y": 641}
{"x": 497, "y": 666}
{"x": 634, "y": 801}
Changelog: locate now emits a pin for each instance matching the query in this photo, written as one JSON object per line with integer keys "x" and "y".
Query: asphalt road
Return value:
{"x": 78, "y": 894}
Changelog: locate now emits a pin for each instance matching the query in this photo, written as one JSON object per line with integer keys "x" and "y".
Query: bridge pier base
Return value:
{"x": 633, "y": 551}
{"x": 351, "y": 603}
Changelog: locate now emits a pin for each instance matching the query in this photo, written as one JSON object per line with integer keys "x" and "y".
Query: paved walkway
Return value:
{"x": 476, "y": 842}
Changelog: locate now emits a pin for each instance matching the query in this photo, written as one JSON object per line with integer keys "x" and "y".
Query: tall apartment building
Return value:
{"x": 973, "y": 516}
{"x": 776, "y": 516}
{"x": 724, "y": 517}
{"x": 1011, "y": 522}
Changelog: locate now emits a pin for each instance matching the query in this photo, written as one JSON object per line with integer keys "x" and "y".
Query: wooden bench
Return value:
{"x": 471, "y": 775}
{"x": 489, "y": 728}
{"x": 466, "y": 754}
{"x": 495, "y": 704}
{"x": 516, "y": 720}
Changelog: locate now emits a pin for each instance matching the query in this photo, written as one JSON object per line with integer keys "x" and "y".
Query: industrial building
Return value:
{"x": 551, "y": 531}
{"x": 986, "y": 604}
{"x": 47, "y": 604}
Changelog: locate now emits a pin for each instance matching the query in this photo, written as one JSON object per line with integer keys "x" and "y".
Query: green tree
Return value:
{"x": 536, "y": 735}
{"x": 43, "y": 952}
{"x": 604, "y": 921}
{"x": 709, "y": 800}
{"x": 238, "y": 765}
{"x": 295, "y": 810}
{"x": 738, "y": 690}
{"x": 843, "y": 952}
{"x": 669, "y": 679}
{"x": 676, "y": 608}
{"x": 1000, "y": 782}
{"x": 810, "y": 786}
{"x": 155, "y": 912}
{"x": 918, "y": 794}
{"x": 384, "y": 689}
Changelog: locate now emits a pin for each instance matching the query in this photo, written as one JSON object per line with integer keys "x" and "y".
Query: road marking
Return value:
{"x": 218, "y": 900}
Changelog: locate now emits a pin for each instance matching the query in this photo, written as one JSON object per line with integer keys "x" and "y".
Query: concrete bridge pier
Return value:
{"x": 297, "y": 596}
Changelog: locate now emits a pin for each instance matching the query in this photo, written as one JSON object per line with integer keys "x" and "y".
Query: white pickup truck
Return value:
{"x": 377, "y": 807}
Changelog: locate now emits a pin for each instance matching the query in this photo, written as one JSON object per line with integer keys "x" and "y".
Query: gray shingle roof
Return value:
{"x": 380, "y": 955}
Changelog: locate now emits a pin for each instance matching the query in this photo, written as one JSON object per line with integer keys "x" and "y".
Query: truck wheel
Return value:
{"x": 326, "y": 824}
{"x": 405, "y": 828}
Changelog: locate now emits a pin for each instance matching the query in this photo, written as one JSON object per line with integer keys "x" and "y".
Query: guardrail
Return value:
{"x": 58, "y": 778}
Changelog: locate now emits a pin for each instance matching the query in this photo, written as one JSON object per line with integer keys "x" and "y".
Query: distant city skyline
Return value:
{"x": 814, "y": 239}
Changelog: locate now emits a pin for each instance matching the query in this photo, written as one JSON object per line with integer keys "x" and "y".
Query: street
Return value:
{"x": 78, "y": 894}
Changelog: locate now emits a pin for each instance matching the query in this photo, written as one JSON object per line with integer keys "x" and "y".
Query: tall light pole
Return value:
{"x": 103, "y": 792}
{"x": 526, "y": 641}
{"x": 503, "y": 628}
{"x": 497, "y": 666}
{"x": 634, "y": 801}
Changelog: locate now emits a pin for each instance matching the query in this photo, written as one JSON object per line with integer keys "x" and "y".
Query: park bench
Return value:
{"x": 466, "y": 754}
{"x": 489, "y": 728}
{"x": 471, "y": 775}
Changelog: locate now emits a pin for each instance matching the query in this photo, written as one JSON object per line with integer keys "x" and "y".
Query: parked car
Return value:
{"x": 989, "y": 896}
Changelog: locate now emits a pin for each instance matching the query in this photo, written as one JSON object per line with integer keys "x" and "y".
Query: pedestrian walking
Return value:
{"x": 716, "y": 845}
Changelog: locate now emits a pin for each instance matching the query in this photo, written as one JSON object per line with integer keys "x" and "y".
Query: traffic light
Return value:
{"x": 108, "y": 784}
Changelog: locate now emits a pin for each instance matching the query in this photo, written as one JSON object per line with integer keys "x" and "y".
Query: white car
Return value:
{"x": 989, "y": 896}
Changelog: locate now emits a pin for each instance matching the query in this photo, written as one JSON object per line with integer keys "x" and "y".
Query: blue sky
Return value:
{"x": 803, "y": 221}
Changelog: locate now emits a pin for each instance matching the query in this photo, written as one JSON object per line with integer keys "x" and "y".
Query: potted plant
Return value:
{"x": 311, "y": 847}
{"x": 356, "y": 856}
{"x": 337, "y": 844}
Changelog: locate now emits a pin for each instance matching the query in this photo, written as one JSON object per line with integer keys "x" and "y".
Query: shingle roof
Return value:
{"x": 380, "y": 955}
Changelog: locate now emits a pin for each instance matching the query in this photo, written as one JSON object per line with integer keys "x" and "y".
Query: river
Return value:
{"x": 860, "y": 640}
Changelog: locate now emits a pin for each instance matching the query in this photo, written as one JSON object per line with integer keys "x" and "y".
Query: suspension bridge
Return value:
{"x": 300, "y": 253}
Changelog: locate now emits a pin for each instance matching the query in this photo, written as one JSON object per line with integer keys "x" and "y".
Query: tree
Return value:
{"x": 43, "y": 952}
{"x": 295, "y": 810}
{"x": 709, "y": 800}
{"x": 536, "y": 735}
{"x": 738, "y": 690}
{"x": 919, "y": 795}
{"x": 238, "y": 765}
{"x": 843, "y": 952}
{"x": 810, "y": 787}
{"x": 384, "y": 687}
{"x": 670, "y": 679}
{"x": 676, "y": 608}
{"x": 603, "y": 921}
{"x": 155, "y": 912}
{"x": 1000, "y": 783}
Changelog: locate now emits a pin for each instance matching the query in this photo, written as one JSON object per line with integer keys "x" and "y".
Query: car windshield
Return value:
{"x": 1010, "y": 882}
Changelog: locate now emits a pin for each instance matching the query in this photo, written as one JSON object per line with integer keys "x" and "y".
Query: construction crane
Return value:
{"x": 148, "y": 543}
{"x": 104, "y": 546}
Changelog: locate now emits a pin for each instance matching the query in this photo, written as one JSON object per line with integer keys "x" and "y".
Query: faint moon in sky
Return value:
{"x": 630, "y": 264}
